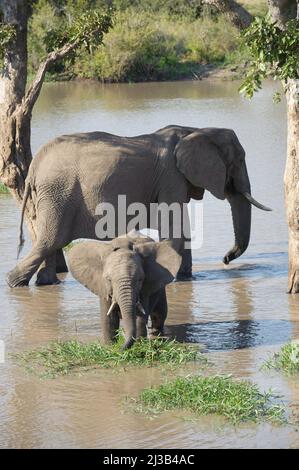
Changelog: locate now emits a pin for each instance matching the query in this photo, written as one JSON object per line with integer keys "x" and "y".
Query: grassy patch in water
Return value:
{"x": 286, "y": 360}
{"x": 68, "y": 247}
{"x": 61, "y": 358}
{"x": 3, "y": 189}
{"x": 220, "y": 395}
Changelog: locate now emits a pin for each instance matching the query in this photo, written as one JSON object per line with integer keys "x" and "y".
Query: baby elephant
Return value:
{"x": 129, "y": 275}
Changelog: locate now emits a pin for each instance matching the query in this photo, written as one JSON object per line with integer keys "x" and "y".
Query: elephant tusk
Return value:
{"x": 111, "y": 308}
{"x": 255, "y": 203}
{"x": 140, "y": 307}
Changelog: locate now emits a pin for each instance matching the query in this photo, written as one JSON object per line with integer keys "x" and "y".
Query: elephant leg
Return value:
{"x": 53, "y": 235}
{"x": 61, "y": 266}
{"x": 158, "y": 313}
{"x": 141, "y": 319}
{"x": 23, "y": 272}
{"x": 46, "y": 274}
{"x": 185, "y": 271}
{"x": 141, "y": 330}
{"x": 110, "y": 323}
{"x": 179, "y": 231}
{"x": 48, "y": 241}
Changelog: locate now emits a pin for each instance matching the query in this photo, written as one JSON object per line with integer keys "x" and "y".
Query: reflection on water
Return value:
{"x": 227, "y": 335}
{"x": 240, "y": 313}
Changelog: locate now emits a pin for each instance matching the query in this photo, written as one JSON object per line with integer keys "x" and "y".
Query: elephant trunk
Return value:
{"x": 126, "y": 300}
{"x": 241, "y": 214}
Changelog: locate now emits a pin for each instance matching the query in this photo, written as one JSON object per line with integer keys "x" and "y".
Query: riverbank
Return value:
{"x": 148, "y": 42}
{"x": 229, "y": 72}
{"x": 145, "y": 47}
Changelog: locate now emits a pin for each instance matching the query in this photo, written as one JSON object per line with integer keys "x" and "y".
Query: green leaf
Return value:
{"x": 276, "y": 97}
{"x": 7, "y": 34}
{"x": 273, "y": 53}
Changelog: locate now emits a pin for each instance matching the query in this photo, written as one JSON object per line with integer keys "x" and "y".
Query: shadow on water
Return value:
{"x": 242, "y": 271}
{"x": 230, "y": 322}
{"x": 231, "y": 335}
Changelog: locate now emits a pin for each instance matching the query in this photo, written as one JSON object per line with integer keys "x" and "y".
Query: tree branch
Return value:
{"x": 238, "y": 15}
{"x": 35, "y": 88}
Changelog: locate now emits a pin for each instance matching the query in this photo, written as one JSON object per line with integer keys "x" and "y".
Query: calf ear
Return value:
{"x": 160, "y": 263}
{"x": 86, "y": 260}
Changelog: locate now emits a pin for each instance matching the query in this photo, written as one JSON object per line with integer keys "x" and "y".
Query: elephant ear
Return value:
{"x": 199, "y": 159}
{"x": 160, "y": 264}
{"x": 85, "y": 260}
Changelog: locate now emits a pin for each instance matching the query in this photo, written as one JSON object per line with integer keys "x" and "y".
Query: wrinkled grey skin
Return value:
{"x": 130, "y": 273}
{"x": 72, "y": 174}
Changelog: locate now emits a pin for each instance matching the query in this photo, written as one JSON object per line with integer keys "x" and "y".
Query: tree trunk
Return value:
{"x": 15, "y": 126}
{"x": 291, "y": 181}
{"x": 237, "y": 14}
{"x": 282, "y": 11}
{"x": 16, "y": 106}
{"x": 15, "y": 150}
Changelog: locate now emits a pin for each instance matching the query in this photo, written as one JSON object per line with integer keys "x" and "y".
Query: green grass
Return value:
{"x": 3, "y": 189}
{"x": 144, "y": 44}
{"x": 68, "y": 247}
{"x": 156, "y": 40}
{"x": 220, "y": 395}
{"x": 286, "y": 360}
{"x": 61, "y": 358}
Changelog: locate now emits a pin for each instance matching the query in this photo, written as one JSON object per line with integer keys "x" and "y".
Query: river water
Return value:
{"x": 241, "y": 314}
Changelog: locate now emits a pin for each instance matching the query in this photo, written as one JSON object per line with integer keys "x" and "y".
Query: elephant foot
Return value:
{"x": 15, "y": 279}
{"x": 46, "y": 277}
{"x": 184, "y": 276}
{"x": 155, "y": 333}
{"x": 128, "y": 344}
{"x": 107, "y": 341}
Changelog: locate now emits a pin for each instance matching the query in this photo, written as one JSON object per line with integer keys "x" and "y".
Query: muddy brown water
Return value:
{"x": 240, "y": 314}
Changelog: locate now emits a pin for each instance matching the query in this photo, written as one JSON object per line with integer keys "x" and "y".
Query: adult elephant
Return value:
{"x": 72, "y": 174}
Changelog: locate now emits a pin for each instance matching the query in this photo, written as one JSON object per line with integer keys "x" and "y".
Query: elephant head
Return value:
{"x": 124, "y": 272}
{"x": 214, "y": 159}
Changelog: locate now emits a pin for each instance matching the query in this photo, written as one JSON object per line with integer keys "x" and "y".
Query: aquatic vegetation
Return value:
{"x": 3, "y": 189}
{"x": 69, "y": 246}
{"x": 60, "y": 358}
{"x": 220, "y": 395}
{"x": 286, "y": 360}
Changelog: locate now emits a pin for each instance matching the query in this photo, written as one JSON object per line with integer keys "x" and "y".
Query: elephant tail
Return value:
{"x": 21, "y": 234}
